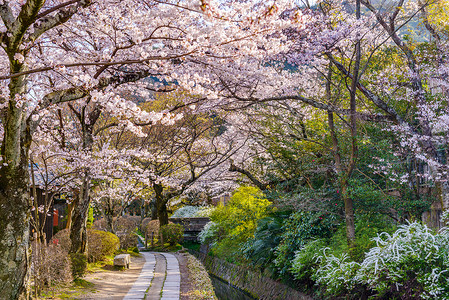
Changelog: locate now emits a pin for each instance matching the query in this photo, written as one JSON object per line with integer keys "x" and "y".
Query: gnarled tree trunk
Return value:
{"x": 78, "y": 230}
{"x": 161, "y": 205}
{"x": 14, "y": 234}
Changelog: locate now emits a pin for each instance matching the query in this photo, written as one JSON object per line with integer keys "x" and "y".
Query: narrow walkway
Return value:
{"x": 160, "y": 278}
{"x": 154, "y": 292}
{"x": 172, "y": 284}
{"x": 137, "y": 292}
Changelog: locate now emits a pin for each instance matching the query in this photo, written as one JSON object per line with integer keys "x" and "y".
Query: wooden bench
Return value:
{"x": 122, "y": 260}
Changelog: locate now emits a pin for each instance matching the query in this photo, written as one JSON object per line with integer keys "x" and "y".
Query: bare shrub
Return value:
{"x": 100, "y": 224}
{"x": 144, "y": 224}
{"x": 62, "y": 238}
{"x": 50, "y": 264}
{"x": 153, "y": 226}
{"x": 126, "y": 228}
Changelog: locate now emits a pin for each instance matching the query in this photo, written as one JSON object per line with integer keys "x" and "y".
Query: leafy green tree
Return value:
{"x": 237, "y": 220}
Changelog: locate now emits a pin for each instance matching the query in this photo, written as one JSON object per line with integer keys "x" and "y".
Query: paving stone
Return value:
{"x": 142, "y": 283}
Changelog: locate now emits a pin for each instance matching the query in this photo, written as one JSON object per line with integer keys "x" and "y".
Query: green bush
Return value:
{"x": 367, "y": 227}
{"x": 259, "y": 250}
{"x": 79, "y": 264}
{"x": 101, "y": 244}
{"x": 172, "y": 233}
{"x": 299, "y": 229}
{"x": 90, "y": 217}
{"x": 411, "y": 263}
{"x": 208, "y": 233}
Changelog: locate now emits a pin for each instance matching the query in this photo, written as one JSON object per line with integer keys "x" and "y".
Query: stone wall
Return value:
{"x": 250, "y": 280}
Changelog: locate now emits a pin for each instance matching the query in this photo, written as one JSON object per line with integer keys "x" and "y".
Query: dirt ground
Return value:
{"x": 104, "y": 284}
{"x": 114, "y": 284}
{"x": 111, "y": 284}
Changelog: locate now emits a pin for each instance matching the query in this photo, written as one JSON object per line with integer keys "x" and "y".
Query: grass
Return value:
{"x": 202, "y": 288}
{"x": 134, "y": 252}
{"x": 72, "y": 290}
{"x": 166, "y": 248}
{"x": 107, "y": 264}
{"x": 192, "y": 245}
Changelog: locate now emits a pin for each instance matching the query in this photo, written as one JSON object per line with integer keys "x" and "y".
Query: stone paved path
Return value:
{"x": 172, "y": 284}
{"x": 160, "y": 278}
{"x": 154, "y": 293}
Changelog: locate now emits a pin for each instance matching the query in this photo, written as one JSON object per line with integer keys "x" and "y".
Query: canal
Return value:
{"x": 225, "y": 291}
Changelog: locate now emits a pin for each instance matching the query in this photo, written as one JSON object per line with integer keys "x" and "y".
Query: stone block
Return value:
{"x": 122, "y": 260}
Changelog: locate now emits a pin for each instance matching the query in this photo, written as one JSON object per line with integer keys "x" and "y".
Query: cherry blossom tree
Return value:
{"x": 187, "y": 151}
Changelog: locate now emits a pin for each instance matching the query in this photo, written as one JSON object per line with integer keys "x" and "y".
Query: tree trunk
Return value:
{"x": 162, "y": 214}
{"x": 110, "y": 223}
{"x": 15, "y": 201}
{"x": 153, "y": 210}
{"x": 161, "y": 205}
{"x": 349, "y": 216}
{"x": 14, "y": 236}
{"x": 70, "y": 208}
{"x": 109, "y": 216}
{"x": 78, "y": 231}
{"x": 15, "y": 210}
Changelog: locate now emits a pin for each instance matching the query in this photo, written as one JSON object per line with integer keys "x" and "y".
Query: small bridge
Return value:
{"x": 192, "y": 226}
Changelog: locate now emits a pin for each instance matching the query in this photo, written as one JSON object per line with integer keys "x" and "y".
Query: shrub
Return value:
{"x": 299, "y": 229}
{"x": 204, "y": 212}
{"x": 409, "y": 264}
{"x": 185, "y": 212}
{"x": 208, "y": 233}
{"x": 413, "y": 260}
{"x": 153, "y": 226}
{"x": 100, "y": 224}
{"x": 79, "y": 264}
{"x": 101, "y": 244}
{"x": 144, "y": 223}
{"x": 126, "y": 228}
{"x": 260, "y": 249}
{"x": 172, "y": 233}
{"x": 90, "y": 217}
{"x": 367, "y": 227}
{"x": 189, "y": 211}
{"x": 305, "y": 262}
{"x": 237, "y": 221}
{"x": 62, "y": 238}
{"x": 336, "y": 273}
{"x": 201, "y": 285}
{"x": 49, "y": 264}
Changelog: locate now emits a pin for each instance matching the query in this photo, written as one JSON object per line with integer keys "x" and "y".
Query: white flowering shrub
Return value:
{"x": 204, "y": 212}
{"x": 412, "y": 263}
{"x": 208, "y": 232}
{"x": 185, "y": 212}
{"x": 412, "y": 260}
{"x": 336, "y": 273}
{"x": 193, "y": 212}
